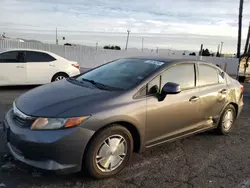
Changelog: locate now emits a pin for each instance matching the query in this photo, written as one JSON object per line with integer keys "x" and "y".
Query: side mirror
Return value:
{"x": 171, "y": 88}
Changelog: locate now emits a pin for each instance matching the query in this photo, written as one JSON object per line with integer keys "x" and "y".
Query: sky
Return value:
{"x": 176, "y": 24}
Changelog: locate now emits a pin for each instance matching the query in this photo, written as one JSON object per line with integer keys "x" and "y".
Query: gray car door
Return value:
{"x": 178, "y": 113}
{"x": 213, "y": 91}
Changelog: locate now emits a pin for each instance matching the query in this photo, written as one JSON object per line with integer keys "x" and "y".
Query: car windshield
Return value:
{"x": 123, "y": 73}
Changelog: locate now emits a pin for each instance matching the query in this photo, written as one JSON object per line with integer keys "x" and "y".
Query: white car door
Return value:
{"x": 40, "y": 67}
{"x": 12, "y": 68}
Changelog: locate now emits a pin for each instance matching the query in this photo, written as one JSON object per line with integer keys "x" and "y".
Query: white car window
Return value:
{"x": 38, "y": 57}
{"x": 12, "y": 57}
{"x": 9, "y": 57}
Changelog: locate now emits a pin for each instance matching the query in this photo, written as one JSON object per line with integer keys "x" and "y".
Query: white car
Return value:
{"x": 30, "y": 67}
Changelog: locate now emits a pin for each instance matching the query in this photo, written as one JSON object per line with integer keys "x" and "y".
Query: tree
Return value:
{"x": 67, "y": 44}
{"x": 192, "y": 54}
{"x": 106, "y": 47}
{"x": 205, "y": 52}
{"x": 117, "y": 48}
{"x": 112, "y": 47}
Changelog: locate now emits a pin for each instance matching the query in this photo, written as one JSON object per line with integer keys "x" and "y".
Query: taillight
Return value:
{"x": 242, "y": 88}
{"x": 76, "y": 66}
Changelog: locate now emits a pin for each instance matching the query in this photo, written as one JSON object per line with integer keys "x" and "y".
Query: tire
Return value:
{"x": 100, "y": 167}
{"x": 59, "y": 76}
{"x": 224, "y": 128}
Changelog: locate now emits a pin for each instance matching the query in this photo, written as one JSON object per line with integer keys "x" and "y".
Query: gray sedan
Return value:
{"x": 96, "y": 120}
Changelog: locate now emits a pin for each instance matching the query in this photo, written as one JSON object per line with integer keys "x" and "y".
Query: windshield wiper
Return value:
{"x": 99, "y": 85}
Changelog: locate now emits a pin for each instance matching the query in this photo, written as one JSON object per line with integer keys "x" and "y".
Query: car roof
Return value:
{"x": 32, "y": 50}
{"x": 171, "y": 60}
{"x": 23, "y": 49}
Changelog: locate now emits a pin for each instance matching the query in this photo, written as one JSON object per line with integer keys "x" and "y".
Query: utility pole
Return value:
{"x": 239, "y": 35}
{"x": 221, "y": 47}
{"x": 56, "y": 37}
{"x": 96, "y": 46}
{"x": 142, "y": 44}
{"x": 218, "y": 48}
{"x": 239, "y": 28}
{"x": 200, "y": 53}
{"x": 247, "y": 41}
{"x": 218, "y": 51}
{"x": 157, "y": 50}
{"x": 127, "y": 40}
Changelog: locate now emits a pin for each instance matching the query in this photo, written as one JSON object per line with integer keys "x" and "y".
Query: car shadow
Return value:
{"x": 47, "y": 178}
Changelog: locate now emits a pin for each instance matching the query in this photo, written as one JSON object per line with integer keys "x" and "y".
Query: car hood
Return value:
{"x": 50, "y": 100}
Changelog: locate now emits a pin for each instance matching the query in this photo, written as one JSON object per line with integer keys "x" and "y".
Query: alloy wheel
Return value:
{"x": 59, "y": 78}
{"x": 228, "y": 120}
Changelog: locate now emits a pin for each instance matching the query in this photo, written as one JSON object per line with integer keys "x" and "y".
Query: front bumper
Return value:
{"x": 57, "y": 150}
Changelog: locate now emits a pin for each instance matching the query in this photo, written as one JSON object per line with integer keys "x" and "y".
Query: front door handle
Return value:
{"x": 223, "y": 91}
{"x": 194, "y": 99}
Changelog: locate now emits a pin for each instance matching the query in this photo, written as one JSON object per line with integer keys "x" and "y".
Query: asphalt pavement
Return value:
{"x": 203, "y": 160}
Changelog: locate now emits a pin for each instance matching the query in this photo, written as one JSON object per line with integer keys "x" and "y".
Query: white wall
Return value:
{"x": 89, "y": 57}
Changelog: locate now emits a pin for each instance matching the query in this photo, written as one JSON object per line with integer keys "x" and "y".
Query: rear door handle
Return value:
{"x": 223, "y": 91}
{"x": 194, "y": 99}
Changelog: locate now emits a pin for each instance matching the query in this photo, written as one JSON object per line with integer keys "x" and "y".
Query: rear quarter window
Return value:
{"x": 208, "y": 75}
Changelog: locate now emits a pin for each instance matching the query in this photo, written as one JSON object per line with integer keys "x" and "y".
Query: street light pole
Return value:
{"x": 56, "y": 37}
{"x": 127, "y": 40}
{"x": 96, "y": 46}
{"x": 221, "y": 47}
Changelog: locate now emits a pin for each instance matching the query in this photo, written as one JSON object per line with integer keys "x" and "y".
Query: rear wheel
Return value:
{"x": 227, "y": 120}
{"x": 108, "y": 152}
{"x": 59, "y": 76}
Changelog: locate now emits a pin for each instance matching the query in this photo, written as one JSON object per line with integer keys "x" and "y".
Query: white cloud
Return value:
{"x": 148, "y": 17}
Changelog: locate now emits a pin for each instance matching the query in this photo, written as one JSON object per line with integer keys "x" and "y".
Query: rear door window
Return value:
{"x": 38, "y": 57}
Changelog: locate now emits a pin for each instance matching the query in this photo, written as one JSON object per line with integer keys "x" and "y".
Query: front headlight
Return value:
{"x": 57, "y": 123}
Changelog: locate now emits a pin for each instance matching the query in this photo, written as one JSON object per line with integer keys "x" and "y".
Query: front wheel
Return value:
{"x": 108, "y": 152}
